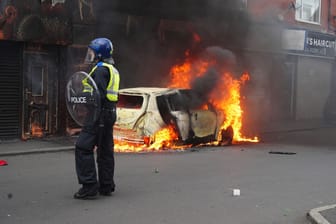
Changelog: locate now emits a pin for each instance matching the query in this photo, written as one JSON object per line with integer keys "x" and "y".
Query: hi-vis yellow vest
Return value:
{"x": 113, "y": 85}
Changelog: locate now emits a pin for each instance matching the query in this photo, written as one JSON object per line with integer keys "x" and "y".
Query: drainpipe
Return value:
{"x": 330, "y": 28}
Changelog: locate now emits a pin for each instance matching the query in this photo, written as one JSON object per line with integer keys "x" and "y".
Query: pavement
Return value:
{"x": 37, "y": 145}
{"x": 321, "y": 215}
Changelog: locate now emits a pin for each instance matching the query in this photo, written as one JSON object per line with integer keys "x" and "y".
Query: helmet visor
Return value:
{"x": 90, "y": 56}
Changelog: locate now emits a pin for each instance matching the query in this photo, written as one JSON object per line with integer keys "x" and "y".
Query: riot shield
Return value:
{"x": 83, "y": 99}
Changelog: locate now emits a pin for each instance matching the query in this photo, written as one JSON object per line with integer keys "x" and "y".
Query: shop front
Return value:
{"x": 33, "y": 36}
{"x": 314, "y": 54}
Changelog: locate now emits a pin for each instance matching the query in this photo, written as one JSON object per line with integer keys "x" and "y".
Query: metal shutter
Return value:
{"x": 10, "y": 89}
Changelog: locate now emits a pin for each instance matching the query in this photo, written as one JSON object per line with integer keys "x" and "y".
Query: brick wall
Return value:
{"x": 284, "y": 11}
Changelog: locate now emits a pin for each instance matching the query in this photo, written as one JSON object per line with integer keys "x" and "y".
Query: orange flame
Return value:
{"x": 163, "y": 139}
{"x": 231, "y": 105}
{"x": 225, "y": 97}
{"x": 182, "y": 75}
{"x": 36, "y": 130}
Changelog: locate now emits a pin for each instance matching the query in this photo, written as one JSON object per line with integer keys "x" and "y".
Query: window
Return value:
{"x": 130, "y": 101}
{"x": 308, "y": 11}
{"x": 175, "y": 102}
{"x": 193, "y": 100}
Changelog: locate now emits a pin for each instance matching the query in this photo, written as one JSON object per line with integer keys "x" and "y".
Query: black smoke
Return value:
{"x": 143, "y": 58}
{"x": 203, "y": 86}
{"x": 222, "y": 61}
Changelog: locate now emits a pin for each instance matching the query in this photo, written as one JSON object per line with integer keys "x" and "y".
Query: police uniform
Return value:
{"x": 99, "y": 134}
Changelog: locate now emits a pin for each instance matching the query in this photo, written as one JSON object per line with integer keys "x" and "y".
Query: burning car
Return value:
{"x": 143, "y": 112}
{"x": 200, "y": 103}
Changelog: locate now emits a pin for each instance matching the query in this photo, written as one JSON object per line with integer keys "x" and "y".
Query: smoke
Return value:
{"x": 222, "y": 61}
{"x": 151, "y": 36}
{"x": 267, "y": 91}
{"x": 203, "y": 86}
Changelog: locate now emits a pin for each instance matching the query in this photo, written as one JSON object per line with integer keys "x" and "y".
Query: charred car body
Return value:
{"x": 143, "y": 111}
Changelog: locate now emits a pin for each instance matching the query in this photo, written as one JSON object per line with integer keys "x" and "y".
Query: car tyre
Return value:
{"x": 226, "y": 136}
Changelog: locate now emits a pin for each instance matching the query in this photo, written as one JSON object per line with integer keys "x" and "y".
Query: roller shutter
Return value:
{"x": 10, "y": 89}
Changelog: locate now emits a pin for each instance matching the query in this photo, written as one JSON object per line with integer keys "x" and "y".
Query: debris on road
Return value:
{"x": 3, "y": 163}
{"x": 282, "y": 153}
{"x": 10, "y": 195}
{"x": 236, "y": 192}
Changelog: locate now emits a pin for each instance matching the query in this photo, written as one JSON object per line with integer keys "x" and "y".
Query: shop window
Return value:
{"x": 130, "y": 101}
{"x": 308, "y": 11}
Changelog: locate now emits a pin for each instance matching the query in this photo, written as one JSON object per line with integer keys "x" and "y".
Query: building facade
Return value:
{"x": 288, "y": 47}
{"x": 296, "y": 39}
{"x": 33, "y": 36}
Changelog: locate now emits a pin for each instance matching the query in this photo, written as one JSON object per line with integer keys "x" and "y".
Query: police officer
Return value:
{"x": 99, "y": 134}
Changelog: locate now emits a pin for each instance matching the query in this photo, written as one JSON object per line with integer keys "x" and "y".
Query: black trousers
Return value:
{"x": 101, "y": 135}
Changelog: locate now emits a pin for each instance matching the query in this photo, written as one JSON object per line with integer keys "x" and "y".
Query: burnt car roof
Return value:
{"x": 148, "y": 90}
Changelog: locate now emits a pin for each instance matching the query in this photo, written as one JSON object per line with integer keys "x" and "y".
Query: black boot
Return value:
{"x": 88, "y": 191}
{"x": 106, "y": 189}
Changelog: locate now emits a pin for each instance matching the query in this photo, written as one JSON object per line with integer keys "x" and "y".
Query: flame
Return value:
{"x": 163, "y": 139}
{"x": 125, "y": 147}
{"x": 230, "y": 103}
{"x": 225, "y": 97}
{"x": 182, "y": 75}
{"x": 36, "y": 130}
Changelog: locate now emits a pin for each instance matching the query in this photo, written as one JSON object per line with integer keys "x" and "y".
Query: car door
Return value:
{"x": 191, "y": 119}
{"x": 203, "y": 120}
{"x": 173, "y": 110}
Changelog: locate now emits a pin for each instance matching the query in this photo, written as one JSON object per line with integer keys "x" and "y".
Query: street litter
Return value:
{"x": 3, "y": 163}
{"x": 236, "y": 192}
{"x": 282, "y": 153}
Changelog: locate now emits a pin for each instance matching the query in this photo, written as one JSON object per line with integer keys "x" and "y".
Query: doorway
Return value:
{"x": 40, "y": 94}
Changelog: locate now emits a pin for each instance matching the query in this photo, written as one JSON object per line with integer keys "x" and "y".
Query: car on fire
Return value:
{"x": 143, "y": 111}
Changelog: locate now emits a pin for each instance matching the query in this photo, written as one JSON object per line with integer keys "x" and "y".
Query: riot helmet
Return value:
{"x": 99, "y": 49}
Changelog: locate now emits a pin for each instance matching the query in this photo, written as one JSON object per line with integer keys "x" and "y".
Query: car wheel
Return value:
{"x": 226, "y": 136}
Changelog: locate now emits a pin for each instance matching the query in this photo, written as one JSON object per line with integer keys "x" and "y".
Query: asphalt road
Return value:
{"x": 179, "y": 187}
